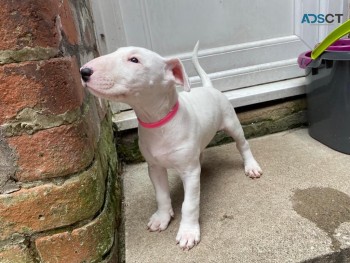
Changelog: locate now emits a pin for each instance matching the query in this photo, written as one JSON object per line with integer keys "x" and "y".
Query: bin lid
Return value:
{"x": 340, "y": 48}
{"x": 335, "y": 35}
{"x": 304, "y": 59}
{"x": 340, "y": 45}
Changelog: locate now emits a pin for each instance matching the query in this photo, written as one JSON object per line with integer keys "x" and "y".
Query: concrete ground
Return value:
{"x": 299, "y": 211}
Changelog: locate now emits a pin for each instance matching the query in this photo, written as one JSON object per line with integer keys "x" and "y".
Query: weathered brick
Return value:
{"x": 88, "y": 243}
{"x": 53, "y": 152}
{"x": 50, "y": 206}
{"x": 102, "y": 107}
{"x": 86, "y": 23}
{"x": 29, "y": 23}
{"x": 52, "y": 85}
{"x": 68, "y": 22}
{"x": 7, "y": 167}
{"x": 39, "y": 100}
{"x": 15, "y": 254}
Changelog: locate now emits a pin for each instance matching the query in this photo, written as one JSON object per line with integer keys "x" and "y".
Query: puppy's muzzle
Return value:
{"x": 86, "y": 74}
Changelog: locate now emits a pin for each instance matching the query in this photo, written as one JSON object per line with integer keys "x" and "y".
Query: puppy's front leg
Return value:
{"x": 189, "y": 231}
{"x": 160, "y": 220}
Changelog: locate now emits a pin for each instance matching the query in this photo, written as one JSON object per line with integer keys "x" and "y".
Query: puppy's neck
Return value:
{"x": 153, "y": 107}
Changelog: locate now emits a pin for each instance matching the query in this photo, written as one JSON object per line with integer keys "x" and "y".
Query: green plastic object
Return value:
{"x": 337, "y": 33}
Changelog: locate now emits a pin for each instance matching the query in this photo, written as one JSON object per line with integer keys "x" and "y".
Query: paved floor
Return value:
{"x": 299, "y": 210}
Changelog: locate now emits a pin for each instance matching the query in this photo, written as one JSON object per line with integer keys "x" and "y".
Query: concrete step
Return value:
{"x": 299, "y": 211}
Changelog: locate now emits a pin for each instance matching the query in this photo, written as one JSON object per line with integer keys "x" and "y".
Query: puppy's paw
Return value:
{"x": 188, "y": 236}
{"x": 159, "y": 221}
{"x": 252, "y": 169}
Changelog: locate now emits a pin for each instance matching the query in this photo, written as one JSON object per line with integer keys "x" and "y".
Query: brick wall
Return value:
{"x": 58, "y": 194}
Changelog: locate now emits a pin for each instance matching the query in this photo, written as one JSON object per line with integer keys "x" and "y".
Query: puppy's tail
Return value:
{"x": 204, "y": 77}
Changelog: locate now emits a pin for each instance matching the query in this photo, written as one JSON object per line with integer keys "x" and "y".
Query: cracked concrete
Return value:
{"x": 244, "y": 220}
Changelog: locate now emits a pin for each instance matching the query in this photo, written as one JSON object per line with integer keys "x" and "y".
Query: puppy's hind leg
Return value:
{"x": 233, "y": 128}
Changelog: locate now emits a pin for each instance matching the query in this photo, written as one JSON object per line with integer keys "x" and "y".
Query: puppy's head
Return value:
{"x": 132, "y": 71}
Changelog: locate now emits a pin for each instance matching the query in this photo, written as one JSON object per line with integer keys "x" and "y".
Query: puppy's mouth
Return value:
{"x": 106, "y": 93}
{"x": 84, "y": 83}
{"x": 94, "y": 91}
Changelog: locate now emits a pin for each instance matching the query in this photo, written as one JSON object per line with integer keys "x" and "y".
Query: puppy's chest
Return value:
{"x": 159, "y": 151}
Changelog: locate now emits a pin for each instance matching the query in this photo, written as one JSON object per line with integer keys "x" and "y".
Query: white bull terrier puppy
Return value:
{"x": 174, "y": 128}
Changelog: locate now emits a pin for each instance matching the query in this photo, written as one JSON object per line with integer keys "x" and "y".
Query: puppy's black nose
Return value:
{"x": 86, "y": 73}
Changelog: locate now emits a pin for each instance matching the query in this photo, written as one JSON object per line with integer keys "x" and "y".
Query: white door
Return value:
{"x": 248, "y": 47}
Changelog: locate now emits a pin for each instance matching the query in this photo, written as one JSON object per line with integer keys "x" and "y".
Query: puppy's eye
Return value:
{"x": 134, "y": 60}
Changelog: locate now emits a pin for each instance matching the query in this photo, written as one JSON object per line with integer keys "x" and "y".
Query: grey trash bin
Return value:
{"x": 328, "y": 95}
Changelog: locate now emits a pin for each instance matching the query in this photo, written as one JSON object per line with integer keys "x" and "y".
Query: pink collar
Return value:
{"x": 163, "y": 121}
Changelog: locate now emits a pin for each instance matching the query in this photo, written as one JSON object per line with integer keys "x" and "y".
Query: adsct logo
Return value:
{"x": 321, "y": 18}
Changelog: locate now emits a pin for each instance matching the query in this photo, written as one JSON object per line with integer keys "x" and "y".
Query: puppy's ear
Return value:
{"x": 176, "y": 71}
